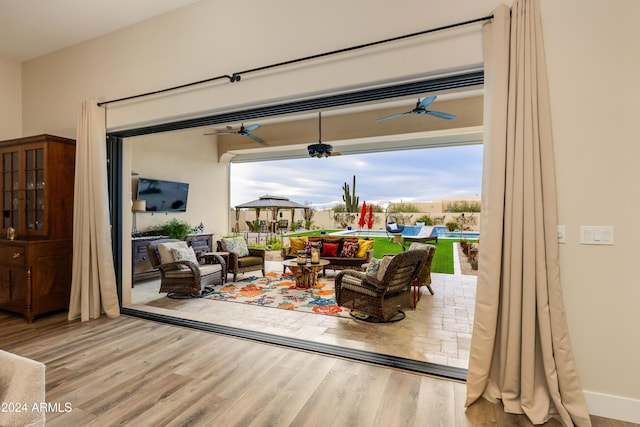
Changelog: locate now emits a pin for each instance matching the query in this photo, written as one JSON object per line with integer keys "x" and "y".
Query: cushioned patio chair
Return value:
{"x": 381, "y": 295}
{"x": 424, "y": 276}
{"x": 242, "y": 258}
{"x": 283, "y": 224}
{"x": 181, "y": 274}
{"x": 395, "y": 228}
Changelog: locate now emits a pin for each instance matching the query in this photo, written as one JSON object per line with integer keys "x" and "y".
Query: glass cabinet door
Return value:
{"x": 10, "y": 187}
{"x": 34, "y": 189}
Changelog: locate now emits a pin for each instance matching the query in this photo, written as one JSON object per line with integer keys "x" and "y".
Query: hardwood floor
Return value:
{"x": 135, "y": 372}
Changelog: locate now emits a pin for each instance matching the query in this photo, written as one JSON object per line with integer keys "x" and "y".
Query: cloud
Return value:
{"x": 410, "y": 175}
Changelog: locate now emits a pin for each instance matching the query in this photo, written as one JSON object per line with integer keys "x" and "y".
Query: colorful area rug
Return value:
{"x": 279, "y": 291}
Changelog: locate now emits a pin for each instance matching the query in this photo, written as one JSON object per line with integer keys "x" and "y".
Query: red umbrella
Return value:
{"x": 370, "y": 222}
{"x": 363, "y": 213}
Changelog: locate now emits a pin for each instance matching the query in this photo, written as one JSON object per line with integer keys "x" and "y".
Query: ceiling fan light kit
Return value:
{"x": 319, "y": 149}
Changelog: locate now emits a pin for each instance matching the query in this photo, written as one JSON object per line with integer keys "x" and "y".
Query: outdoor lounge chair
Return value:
{"x": 395, "y": 228}
{"x": 183, "y": 277}
{"x": 385, "y": 295}
{"x": 241, "y": 260}
{"x": 424, "y": 276}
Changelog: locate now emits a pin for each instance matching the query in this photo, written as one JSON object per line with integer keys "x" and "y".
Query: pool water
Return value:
{"x": 413, "y": 231}
{"x": 441, "y": 231}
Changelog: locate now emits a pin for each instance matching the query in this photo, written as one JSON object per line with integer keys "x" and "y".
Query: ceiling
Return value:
{"x": 32, "y": 28}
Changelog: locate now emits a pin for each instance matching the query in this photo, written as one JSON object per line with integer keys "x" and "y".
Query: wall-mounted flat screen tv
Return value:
{"x": 163, "y": 196}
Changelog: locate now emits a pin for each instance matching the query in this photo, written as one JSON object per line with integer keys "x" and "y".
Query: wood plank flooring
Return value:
{"x": 133, "y": 372}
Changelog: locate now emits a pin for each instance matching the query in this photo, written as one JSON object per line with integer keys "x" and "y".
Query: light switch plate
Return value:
{"x": 562, "y": 234}
{"x": 596, "y": 235}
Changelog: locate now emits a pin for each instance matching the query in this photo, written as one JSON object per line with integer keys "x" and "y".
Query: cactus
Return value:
{"x": 350, "y": 199}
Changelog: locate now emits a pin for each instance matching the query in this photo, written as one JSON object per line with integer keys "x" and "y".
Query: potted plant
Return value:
{"x": 175, "y": 229}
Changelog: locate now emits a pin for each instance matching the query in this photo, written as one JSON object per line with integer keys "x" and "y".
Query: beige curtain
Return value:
{"x": 520, "y": 350}
{"x": 93, "y": 285}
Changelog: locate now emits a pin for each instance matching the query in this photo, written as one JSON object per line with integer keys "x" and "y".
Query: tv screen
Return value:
{"x": 163, "y": 196}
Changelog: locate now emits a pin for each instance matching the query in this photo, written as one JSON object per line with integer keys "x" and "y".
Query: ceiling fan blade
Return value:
{"x": 441, "y": 115}
{"x": 391, "y": 117}
{"x": 426, "y": 102}
{"x": 220, "y": 133}
{"x": 252, "y": 127}
{"x": 255, "y": 138}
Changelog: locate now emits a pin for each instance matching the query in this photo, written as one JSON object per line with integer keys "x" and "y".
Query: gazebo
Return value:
{"x": 274, "y": 203}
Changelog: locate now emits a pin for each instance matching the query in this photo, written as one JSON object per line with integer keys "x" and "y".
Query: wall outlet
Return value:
{"x": 562, "y": 234}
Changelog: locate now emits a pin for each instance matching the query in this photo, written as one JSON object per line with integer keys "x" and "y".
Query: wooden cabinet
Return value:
{"x": 36, "y": 184}
{"x": 200, "y": 243}
{"x": 35, "y": 276}
{"x": 140, "y": 265}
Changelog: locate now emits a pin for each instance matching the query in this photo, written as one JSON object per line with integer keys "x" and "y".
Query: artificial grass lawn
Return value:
{"x": 442, "y": 260}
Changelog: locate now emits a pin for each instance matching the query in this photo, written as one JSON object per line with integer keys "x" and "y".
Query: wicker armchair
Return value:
{"x": 381, "y": 297}
{"x": 253, "y": 262}
{"x": 184, "y": 278}
{"x": 424, "y": 276}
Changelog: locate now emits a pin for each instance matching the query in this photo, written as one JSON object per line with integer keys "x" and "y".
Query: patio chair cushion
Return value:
{"x": 237, "y": 245}
{"x": 249, "y": 261}
{"x": 165, "y": 250}
{"x": 297, "y": 244}
{"x": 204, "y": 270}
{"x": 182, "y": 254}
{"x": 363, "y": 247}
{"x": 384, "y": 263}
{"x": 373, "y": 267}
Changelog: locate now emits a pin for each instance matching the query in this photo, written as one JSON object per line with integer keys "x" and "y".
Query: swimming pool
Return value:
{"x": 409, "y": 231}
{"x": 414, "y": 231}
{"x": 441, "y": 232}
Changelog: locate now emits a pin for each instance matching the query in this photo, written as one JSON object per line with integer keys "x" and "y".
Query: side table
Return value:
{"x": 214, "y": 257}
{"x": 306, "y": 274}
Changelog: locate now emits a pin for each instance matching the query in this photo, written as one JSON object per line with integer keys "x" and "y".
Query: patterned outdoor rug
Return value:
{"x": 279, "y": 291}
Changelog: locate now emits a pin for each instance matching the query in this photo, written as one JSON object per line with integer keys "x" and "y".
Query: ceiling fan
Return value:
{"x": 421, "y": 108}
{"x": 243, "y": 131}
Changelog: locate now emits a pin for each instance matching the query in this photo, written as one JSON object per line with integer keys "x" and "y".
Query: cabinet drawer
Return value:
{"x": 12, "y": 255}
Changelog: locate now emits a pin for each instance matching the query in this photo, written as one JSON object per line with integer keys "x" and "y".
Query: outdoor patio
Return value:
{"x": 438, "y": 331}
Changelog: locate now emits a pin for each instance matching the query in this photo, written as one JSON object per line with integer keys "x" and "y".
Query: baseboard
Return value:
{"x": 615, "y": 407}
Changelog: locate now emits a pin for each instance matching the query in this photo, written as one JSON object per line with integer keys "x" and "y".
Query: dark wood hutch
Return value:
{"x": 36, "y": 180}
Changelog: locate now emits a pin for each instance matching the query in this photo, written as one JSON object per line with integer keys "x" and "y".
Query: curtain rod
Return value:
{"x": 236, "y": 77}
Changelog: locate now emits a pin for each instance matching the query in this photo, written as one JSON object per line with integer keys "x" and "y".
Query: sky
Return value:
{"x": 420, "y": 175}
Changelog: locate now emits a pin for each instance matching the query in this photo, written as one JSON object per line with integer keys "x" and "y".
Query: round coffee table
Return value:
{"x": 306, "y": 274}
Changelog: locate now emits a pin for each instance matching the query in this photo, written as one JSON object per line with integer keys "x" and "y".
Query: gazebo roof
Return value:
{"x": 270, "y": 201}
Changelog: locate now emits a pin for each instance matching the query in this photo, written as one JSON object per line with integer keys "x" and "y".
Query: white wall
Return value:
{"x": 184, "y": 157}
{"x": 592, "y": 63}
{"x": 10, "y": 100}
